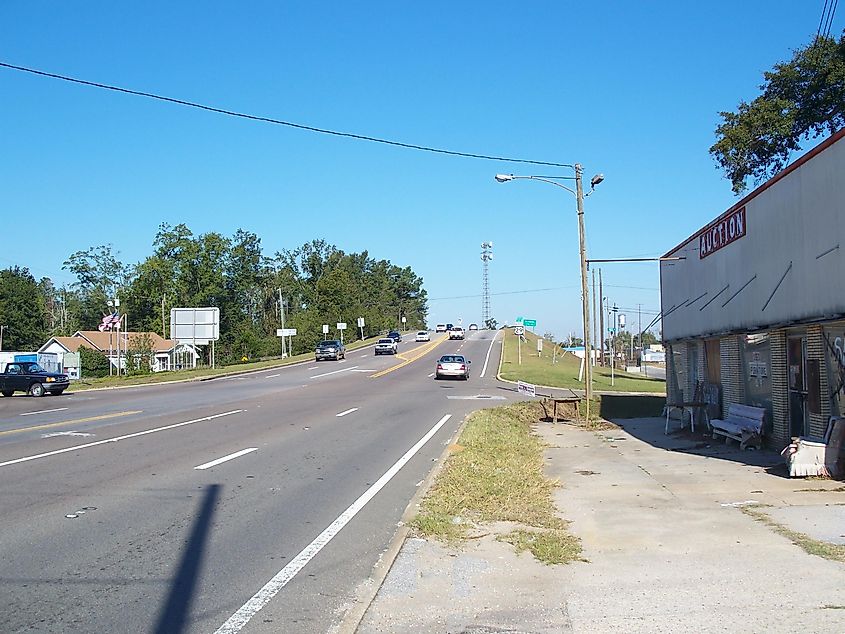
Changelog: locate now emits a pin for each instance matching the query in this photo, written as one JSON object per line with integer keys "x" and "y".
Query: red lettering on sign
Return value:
{"x": 722, "y": 233}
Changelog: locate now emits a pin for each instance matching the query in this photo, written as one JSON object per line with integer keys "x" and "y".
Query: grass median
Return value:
{"x": 495, "y": 474}
{"x": 562, "y": 370}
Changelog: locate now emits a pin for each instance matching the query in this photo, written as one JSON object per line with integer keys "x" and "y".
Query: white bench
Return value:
{"x": 743, "y": 423}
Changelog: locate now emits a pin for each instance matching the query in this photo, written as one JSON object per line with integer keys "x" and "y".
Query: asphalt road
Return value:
{"x": 257, "y": 503}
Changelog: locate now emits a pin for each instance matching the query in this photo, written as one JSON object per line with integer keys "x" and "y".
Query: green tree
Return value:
{"x": 800, "y": 99}
{"x": 94, "y": 363}
{"x": 100, "y": 276}
{"x": 22, "y": 310}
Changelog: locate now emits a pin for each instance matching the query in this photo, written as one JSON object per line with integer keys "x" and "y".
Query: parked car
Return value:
{"x": 456, "y": 333}
{"x": 473, "y": 326}
{"x": 422, "y": 335}
{"x": 454, "y": 365}
{"x": 395, "y": 335}
{"x": 29, "y": 377}
{"x": 440, "y": 328}
{"x": 330, "y": 349}
{"x": 385, "y": 346}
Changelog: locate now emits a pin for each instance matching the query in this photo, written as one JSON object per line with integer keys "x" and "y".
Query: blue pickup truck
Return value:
{"x": 29, "y": 377}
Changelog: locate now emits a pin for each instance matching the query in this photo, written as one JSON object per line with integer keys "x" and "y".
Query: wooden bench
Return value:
{"x": 554, "y": 401}
{"x": 743, "y": 423}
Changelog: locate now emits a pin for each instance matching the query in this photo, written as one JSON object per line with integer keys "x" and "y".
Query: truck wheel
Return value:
{"x": 36, "y": 389}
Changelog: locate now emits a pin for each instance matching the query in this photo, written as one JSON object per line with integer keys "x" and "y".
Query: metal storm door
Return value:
{"x": 796, "y": 364}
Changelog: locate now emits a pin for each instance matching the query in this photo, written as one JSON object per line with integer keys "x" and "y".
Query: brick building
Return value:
{"x": 754, "y": 311}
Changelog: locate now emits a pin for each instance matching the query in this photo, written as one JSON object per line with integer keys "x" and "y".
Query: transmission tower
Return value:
{"x": 486, "y": 256}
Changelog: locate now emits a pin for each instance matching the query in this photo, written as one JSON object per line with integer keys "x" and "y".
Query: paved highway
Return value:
{"x": 256, "y": 503}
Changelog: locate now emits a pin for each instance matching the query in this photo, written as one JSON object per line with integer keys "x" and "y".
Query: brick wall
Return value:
{"x": 816, "y": 350}
{"x": 733, "y": 385}
{"x": 780, "y": 386}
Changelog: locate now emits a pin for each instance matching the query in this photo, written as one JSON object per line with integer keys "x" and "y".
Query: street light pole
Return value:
{"x": 585, "y": 299}
{"x": 585, "y": 296}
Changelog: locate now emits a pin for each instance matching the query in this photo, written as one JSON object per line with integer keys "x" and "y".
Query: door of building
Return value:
{"x": 796, "y": 363}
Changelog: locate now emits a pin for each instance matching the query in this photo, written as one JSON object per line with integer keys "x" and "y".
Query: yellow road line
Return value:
{"x": 420, "y": 352}
{"x": 70, "y": 422}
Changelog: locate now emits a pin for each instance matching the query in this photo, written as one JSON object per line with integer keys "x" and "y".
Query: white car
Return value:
{"x": 440, "y": 328}
{"x": 422, "y": 335}
{"x": 386, "y": 346}
{"x": 454, "y": 365}
{"x": 456, "y": 333}
{"x": 473, "y": 326}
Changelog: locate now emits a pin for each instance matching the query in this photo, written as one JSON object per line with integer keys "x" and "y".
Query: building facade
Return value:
{"x": 754, "y": 302}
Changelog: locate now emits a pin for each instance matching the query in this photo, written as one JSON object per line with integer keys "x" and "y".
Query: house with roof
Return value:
{"x": 167, "y": 354}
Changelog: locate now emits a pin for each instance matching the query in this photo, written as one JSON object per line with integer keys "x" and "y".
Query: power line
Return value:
{"x": 298, "y": 126}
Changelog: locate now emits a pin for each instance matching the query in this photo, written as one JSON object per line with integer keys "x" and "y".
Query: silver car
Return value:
{"x": 452, "y": 365}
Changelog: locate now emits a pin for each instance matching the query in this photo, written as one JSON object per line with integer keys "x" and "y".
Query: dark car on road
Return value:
{"x": 396, "y": 336}
{"x": 29, "y": 377}
{"x": 330, "y": 349}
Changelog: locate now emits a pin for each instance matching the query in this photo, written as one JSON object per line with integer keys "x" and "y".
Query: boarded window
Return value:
{"x": 713, "y": 356}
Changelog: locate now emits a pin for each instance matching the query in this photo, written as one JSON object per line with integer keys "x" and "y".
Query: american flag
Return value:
{"x": 109, "y": 321}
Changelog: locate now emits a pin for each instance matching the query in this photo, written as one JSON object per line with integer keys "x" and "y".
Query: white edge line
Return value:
{"x": 431, "y": 375}
{"x": 333, "y": 372}
{"x": 487, "y": 358}
{"x": 239, "y": 619}
{"x": 348, "y": 411}
{"x": 272, "y": 376}
{"x": 231, "y": 456}
{"x": 102, "y": 442}
{"x": 314, "y": 368}
{"x": 44, "y": 411}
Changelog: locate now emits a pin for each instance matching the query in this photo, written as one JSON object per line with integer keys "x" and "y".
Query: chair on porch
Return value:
{"x": 806, "y": 457}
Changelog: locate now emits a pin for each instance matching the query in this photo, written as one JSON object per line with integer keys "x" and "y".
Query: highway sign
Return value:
{"x": 519, "y": 320}
{"x": 518, "y": 330}
{"x": 529, "y": 322}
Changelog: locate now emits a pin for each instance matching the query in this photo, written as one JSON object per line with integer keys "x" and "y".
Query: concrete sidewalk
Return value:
{"x": 667, "y": 546}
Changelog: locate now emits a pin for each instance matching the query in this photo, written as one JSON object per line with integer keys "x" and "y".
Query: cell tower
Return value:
{"x": 486, "y": 256}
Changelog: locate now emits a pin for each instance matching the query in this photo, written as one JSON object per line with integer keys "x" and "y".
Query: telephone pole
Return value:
{"x": 601, "y": 319}
{"x": 282, "y": 309}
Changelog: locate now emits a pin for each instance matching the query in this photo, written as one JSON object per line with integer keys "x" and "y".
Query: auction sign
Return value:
{"x": 721, "y": 233}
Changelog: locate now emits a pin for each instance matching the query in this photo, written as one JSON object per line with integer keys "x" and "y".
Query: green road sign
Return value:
{"x": 519, "y": 320}
{"x": 529, "y": 322}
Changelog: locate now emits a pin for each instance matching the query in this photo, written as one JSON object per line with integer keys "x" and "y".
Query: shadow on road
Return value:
{"x": 174, "y": 614}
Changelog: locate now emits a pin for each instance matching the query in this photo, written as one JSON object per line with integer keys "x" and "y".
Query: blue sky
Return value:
{"x": 631, "y": 90}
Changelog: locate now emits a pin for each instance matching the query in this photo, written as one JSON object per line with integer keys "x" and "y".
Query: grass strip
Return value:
{"x": 495, "y": 474}
{"x": 833, "y": 552}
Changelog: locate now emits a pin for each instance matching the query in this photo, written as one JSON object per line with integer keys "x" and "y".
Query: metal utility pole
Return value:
{"x": 614, "y": 310}
{"x": 596, "y": 339}
{"x": 282, "y": 309}
{"x": 2, "y": 328}
{"x": 601, "y": 318}
{"x": 486, "y": 256}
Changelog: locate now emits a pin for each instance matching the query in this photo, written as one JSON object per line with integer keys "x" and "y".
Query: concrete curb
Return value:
{"x": 370, "y": 588}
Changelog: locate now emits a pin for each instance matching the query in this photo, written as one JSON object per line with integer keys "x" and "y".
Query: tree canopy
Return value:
{"x": 313, "y": 284}
{"x": 800, "y": 99}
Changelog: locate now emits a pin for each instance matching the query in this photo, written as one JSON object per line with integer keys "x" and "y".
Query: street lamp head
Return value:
{"x": 595, "y": 180}
{"x": 504, "y": 178}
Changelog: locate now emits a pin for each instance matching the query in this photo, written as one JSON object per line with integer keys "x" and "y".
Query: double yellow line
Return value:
{"x": 69, "y": 422}
{"x": 417, "y": 353}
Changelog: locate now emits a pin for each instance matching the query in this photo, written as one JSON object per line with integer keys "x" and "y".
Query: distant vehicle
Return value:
{"x": 456, "y": 333}
{"x": 440, "y": 328}
{"x": 330, "y": 349}
{"x": 385, "y": 346}
{"x": 422, "y": 335}
{"x": 396, "y": 336}
{"x": 449, "y": 327}
{"x": 29, "y": 377}
{"x": 452, "y": 365}
{"x": 473, "y": 326}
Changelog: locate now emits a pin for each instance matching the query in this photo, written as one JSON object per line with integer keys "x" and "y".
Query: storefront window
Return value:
{"x": 834, "y": 340}
{"x": 756, "y": 360}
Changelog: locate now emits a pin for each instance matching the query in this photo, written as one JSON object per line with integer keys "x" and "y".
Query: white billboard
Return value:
{"x": 197, "y": 325}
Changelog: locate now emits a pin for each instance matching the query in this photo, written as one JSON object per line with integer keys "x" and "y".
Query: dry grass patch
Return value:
{"x": 497, "y": 476}
{"x": 834, "y": 552}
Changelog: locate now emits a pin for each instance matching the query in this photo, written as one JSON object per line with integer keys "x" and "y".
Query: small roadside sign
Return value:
{"x": 360, "y": 322}
{"x": 341, "y": 325}
{"x": 285, "y": 332}
{"x": 325, "y": 329}
{"x": 526, "y": 389}
{"x": 539, "y": 345}
{"x": 519, "y": 330}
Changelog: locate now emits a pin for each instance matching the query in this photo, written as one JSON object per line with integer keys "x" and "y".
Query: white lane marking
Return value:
{"x": 363, "y": 356}
{"x": 231, "y": 456}
{"x": 117, "y": 438}
{"x": 334, "y": 372}
{"x": 314, "y": 368}
{"x": 239, "y": 619}
{"x": 45, "y": 411}
{"x": 348, "y": 411}
{"x": 272, "y": 376}
{"x": 487, "y": 358}
{"x": 66, "y": 433}
{"x": 431, "y": 375}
